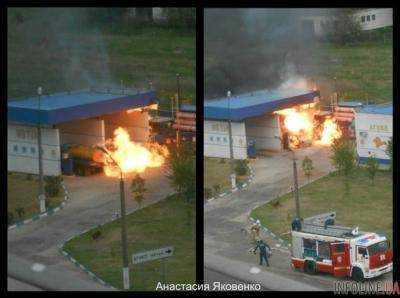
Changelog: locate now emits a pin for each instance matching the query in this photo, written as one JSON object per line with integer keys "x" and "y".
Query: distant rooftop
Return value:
{"x": 256, "y": 103}
{"x": 386, "y": 109}
{"x": 67, "y": 106}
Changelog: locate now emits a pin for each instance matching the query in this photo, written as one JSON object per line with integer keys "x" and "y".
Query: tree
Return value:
{"x": 389, "y": 152}
{"x": 372, "y": 166}
{"x": 241, "y": 167}
{"x": 181, "y": 170}
{"x": 138, "y": 189}
{"x": 343, "y": 28}
{"x": 344, "y": 159}
{"x": 307, "y": 166}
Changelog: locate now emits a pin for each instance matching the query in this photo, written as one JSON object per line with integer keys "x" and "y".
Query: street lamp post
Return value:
{"x": 296, "y": 185}
{"x": 124, "y": 239}
{"x": 177, "y": 105}
{"x": 233, "y": 175}
{"x": 42, "y": 196}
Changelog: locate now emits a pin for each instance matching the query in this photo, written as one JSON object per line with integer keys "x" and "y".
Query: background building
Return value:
{"x": 374, "y": 18}
{"x": 253, "y": 121}
{"x": 374, "y": 128}
{"x": 86, "y": 117}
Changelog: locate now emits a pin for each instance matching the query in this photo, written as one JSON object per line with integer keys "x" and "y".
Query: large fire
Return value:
{"x": 330, "y": 132}
{"x": 300, "y": 124}
{"x": 131, "y": 156}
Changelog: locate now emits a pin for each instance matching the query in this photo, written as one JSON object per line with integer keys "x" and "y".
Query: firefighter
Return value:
{"x": 265, "y": 251}
{"x": 255, "y": 231}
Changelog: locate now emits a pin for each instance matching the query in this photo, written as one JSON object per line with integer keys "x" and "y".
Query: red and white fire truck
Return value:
{"x": 320, "y": 246}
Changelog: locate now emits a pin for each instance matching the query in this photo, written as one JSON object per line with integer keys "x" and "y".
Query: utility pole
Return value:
{"x": 125, "y": 268}
{"x": 124, "y": 237}
{"x": 296, "y": 186}
{"x": 177, "y": 106}
{"x": 42, "y": 195}
{"x": 233, "y": 175}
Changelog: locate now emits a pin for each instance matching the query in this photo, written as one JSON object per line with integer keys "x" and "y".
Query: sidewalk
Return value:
{"x": 53, "y": 277}
{"x": 241, "y": 271}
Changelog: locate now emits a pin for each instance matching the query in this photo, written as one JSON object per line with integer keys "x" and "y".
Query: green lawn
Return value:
{"x": 362, "y": 71}
{"x": 217, "y": 172}
{"x": 169, "y": 222}
{"x": 73, "y": 57}
{"x": 22, "y": 192}
{"x": 368, "y": 206}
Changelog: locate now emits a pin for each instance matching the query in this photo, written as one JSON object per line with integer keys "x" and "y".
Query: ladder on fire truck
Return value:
{"x": 323, "y": 224}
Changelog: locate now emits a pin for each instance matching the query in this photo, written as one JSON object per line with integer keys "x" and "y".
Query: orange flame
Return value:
{"x": 297, "y": 122}
{"x": 330, "y": 132}
{"x": 300, "y": 125}
{"x": 131, "y": 156}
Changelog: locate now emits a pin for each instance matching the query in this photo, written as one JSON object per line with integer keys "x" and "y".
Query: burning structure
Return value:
{"x": 76, "y": 123}
{"x": 276, "y": 120}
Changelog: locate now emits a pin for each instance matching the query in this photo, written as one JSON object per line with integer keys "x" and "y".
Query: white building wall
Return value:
{"x": 216, "y": 139}
{"x": 23, "y": 150}
{"x": 89, "y": 132}
{"x": 372, "y": 133}
{"x": 265, "y": 131}
{"x": 136, "y": 122}
{"x": 375, "y": 18}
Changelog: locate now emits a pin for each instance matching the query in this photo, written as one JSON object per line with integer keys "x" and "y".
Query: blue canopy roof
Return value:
{"x": 378, "y": 109}
{"x": 256, "y": 103}
{"x": 69, "y": 106}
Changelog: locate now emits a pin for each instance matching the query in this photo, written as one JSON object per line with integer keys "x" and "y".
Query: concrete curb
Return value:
{"x": 79, "y": 265}
{"x": 82, "y": 267}
{"x": 50, "y": 211}
{"x": 241, "y": 186}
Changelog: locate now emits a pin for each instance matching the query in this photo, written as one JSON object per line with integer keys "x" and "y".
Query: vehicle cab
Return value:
{"x": 372, "y": 254}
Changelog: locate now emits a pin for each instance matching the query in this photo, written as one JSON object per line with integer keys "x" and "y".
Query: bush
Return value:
{"x": 372, "y": 166}
{"x": 138, "y": 189}
{"x": 20, "y": 212}
{"x": 96, "y": 235}
{"x": 208, "y": 192}
{"x": 307, "y": 166}
{"x": 241, "y": 167}
{"x": 29, "y": 177}
{"x": 52, "y": 186}
{"x": 217, "y": 188}
{"x": 10, "y": 218}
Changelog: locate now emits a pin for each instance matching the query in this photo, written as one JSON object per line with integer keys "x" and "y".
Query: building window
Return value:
{"x": 363, "y": 19}
{"x": 373, "y": 17}
{"x": 33, "y": 150}
{"x": 225, "y": 140}
{"x": 218, "y": 139}
{"x": 53, "y": 152}
{"x": 368, "y": 18}
{"x": 15, "y": 148}
{"x": 212, "y": 139}
{"x": 24, "y": 149}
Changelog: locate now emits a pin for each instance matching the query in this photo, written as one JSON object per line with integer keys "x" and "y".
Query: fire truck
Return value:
{"x": 318, "y": 245}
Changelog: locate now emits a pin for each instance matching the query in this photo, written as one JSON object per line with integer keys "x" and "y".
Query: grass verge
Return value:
{"x": 23, "y": 192}
{"x": 170, "y": 222}
{"x": 217, "y": 172}
{"x": 369, "y": 206}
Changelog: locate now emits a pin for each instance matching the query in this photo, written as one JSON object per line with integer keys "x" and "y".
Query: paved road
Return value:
{"x": 17, "y": 285}
{"x": 226, "y": 217}
{"x": 93, "y": 201}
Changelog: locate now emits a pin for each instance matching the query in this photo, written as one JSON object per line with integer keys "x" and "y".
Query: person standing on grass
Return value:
{"x": 265, "y": 251}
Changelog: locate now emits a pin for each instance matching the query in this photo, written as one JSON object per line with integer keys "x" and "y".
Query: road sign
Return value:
{"x": 155, "y": 254}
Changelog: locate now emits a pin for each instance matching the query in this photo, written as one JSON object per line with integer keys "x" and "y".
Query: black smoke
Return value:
{"x": 250, "y": 49}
